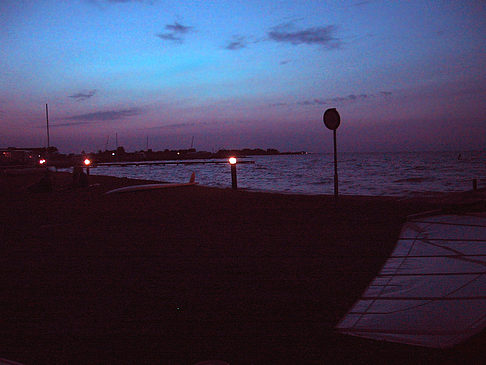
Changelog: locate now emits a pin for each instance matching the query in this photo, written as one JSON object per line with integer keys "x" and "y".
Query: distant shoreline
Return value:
{"x": 32, "y": 156}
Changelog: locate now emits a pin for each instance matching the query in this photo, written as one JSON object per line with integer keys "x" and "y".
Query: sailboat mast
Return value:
{"x": 47, "y": 121}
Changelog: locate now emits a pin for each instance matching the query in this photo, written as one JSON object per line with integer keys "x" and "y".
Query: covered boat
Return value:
{"x": 432, "y": 290}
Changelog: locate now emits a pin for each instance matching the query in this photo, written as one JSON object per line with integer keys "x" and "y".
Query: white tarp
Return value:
{"x": 432, "y": 290}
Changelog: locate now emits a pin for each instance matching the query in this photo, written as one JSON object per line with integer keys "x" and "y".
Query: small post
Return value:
{"x": 475, "y": 184}
{"x": 234, "y": 184}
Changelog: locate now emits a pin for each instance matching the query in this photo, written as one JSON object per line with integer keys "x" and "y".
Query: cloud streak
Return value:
{"x": 99, "y": 2}
{"x": 178, "y": 28}
{"x": 237, "y": 43}
{"x": 83, "y": 96}
{"x": 176, "y": 32}
{"x": 344, "y": 99}
{"x": 170, "y": 37}
{"x": 105, "y": 116}
{"x": 361, "y": 3}
{"x": 324, "y": 36}
{"x": 183, "y": 125}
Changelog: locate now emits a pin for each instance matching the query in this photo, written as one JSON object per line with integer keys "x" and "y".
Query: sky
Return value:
{"x": 404, "y": 75}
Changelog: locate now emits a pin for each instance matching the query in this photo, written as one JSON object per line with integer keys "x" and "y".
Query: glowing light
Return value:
{"x": 113, "y": 153}
{"x": 87, "y": 162}
{"x": 42, "y": 162}
{"x": 232, "y": 160}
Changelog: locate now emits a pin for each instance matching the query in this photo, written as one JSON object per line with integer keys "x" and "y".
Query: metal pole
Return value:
{"x": 335, "y": 167}
{"x": 47, "y": 121}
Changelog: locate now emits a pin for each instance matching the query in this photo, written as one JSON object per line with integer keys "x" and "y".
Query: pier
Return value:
{"x": 150, "y": 163}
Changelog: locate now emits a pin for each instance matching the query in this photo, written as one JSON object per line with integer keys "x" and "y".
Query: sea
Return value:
{"x": 403, "y": 174}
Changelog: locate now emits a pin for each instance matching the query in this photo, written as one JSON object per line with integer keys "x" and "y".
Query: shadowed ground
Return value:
{"x": 190, "y": 274}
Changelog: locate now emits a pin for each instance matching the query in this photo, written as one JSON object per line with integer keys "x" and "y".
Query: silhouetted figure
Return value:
{"x": 80, "y": 179}
{"x": 44, "y": 185}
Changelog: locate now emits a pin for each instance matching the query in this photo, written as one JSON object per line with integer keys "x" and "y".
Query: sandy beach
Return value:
{"x": 177, "y": 276}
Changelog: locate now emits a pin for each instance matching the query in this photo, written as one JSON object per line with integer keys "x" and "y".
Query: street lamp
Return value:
{"x": 232, "y": 161}
{"x": 87, "y": 163}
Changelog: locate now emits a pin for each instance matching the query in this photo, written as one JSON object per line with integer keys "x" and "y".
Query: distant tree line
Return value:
{"x": 53, "y": 157}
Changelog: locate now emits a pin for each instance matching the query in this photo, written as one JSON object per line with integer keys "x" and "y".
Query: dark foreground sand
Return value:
{"x": 184, "y": 275}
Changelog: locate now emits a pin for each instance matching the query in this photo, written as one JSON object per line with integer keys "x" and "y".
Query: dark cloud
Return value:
{"x": 89, "y": 118}
{"x": 108, "y": 115}
{"x": 350, "y": 97}
{"x": 170, "y": 37}
{"x": 99, "y": 2}
{"x": 284, "y": 62}
{"x": 83, "y": 96}
{"x": 131, "y": 1}
{"x": 341, "y": 99}
{"x": 324, "y": 36}
{"x": 178, "y": 28}
{"x": 238, "y": 42}
{"x": 176, "y": 32}
{"x": 361, "y": 3}
{"x": 313, "y": 102}
{"x": 72, "y": 124}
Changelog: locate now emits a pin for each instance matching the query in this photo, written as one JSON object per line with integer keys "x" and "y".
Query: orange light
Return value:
{"x": 232, "y": 160}
{"x": 87, "y": 162}
{"x": 42, "y": 162}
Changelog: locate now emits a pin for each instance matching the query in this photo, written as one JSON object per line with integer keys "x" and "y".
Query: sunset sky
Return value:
{"x": 404, "y": 75}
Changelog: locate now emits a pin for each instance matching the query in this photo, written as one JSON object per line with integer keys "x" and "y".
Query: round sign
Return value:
{"x": 331, "y": 118}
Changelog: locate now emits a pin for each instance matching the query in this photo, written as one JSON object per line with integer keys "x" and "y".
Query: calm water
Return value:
{"x": 393, "y": 174}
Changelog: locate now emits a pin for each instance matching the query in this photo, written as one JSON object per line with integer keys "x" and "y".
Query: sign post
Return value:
{"x": 332, "y": 120}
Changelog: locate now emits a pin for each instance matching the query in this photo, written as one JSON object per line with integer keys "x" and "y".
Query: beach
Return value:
{"x": 177, "y": 276}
